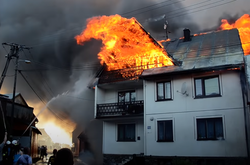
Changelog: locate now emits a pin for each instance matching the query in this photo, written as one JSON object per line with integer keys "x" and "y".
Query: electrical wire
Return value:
{"x": 176, "y": 15}
{"x": 41, "y": 98}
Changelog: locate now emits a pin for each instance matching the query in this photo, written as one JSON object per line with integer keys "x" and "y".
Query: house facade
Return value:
{"x": 197, "y": 109}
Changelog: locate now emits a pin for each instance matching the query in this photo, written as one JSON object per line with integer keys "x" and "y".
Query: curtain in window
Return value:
{"x": 121, "y": 132}
{"x": 133, "y": 96}
{"x": 201, "y": 129}
{"x": 121, "y": 97}
{"x": 167, "y": 90}
{"x": 161, "y": 131}
{"x": 126, "y": 96}
{"x": 130, "y": 132}
{"x": 126, "y": 132}
{"x": 160, "y": 92}
{"x": 210, "y": 129}
{"x": 165, "y": 130}
{"x": 219, "y": 128}
{"x": 168, "y": 130}
{"x": 198, "y": 87}
{"x": 211, "y": 86}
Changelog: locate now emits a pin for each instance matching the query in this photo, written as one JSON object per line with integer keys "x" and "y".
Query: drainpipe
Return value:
{"x": 243, "y": 87}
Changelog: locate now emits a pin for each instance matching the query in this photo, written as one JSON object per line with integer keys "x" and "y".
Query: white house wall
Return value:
{"x": 184, "y": 110}
{"x": 110, "y": 144}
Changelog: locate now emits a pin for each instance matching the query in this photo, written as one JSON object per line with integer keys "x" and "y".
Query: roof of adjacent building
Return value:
{"x": 219, "y": 49}
{"x": 18, "y": 98}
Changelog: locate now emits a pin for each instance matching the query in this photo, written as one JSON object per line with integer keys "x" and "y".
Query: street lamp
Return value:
{"x": 14, "y": 90}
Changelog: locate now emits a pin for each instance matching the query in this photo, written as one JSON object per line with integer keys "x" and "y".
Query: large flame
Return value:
{"x": 57, "y": 134}
{"x": 125, "y": 43}
{"x": 243, "y": 26}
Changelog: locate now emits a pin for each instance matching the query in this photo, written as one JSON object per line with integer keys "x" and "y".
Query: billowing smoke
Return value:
{"x": 60, "y": 70}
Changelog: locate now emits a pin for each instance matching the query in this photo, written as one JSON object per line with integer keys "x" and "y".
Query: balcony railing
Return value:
{"x": 120, "y": 109}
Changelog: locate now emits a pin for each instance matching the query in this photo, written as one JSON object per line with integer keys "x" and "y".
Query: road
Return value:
{"x": 45, "y": 161}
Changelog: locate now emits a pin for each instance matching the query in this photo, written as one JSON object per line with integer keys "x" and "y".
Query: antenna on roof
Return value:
{"x": 166, "y": 26}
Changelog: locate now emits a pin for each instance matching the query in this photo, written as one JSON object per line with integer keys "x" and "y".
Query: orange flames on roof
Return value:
{"x": 125, "y": 43}
{"x": 243, "y": 26}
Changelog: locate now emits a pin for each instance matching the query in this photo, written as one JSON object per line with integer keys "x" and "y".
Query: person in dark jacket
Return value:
{"x": 1, "y": 148}
{"x": 8, "y": 153}
{"x": 52, "y": 158}
{"x": 64, "y": 156}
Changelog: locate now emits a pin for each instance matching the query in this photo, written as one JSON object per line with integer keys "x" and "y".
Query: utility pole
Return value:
{"x": 14, "y": 53}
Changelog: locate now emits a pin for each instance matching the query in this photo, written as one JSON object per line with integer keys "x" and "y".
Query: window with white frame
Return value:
{"x": 165, "y": 131}
{"x": 126, "y": 96}
{"x": 126, "y": 132}
{"x": 207, "y": 87}
{"x": 164, "y": 91}
{"x": 210, "y": 128}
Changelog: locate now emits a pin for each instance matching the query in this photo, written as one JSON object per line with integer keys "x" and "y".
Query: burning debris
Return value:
{"x": 125, "y": 44}
{"x": 243, "y": 26}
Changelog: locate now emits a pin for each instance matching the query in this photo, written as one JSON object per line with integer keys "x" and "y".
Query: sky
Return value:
{"x": 56, "y": 81}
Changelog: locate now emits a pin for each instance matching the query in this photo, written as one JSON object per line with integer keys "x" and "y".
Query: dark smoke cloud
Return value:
{"x": 58, "y": 62}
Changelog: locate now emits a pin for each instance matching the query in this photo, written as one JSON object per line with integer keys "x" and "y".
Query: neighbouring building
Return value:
{"x": 196, "y": 109}
{"x": 24, "y": 122}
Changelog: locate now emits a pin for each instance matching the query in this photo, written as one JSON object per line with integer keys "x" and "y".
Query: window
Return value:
{"x": 126, "y": 132}
{"x": 164, "y": 91}
{"x": 165, "y": 131}
{"x": 207, "y": 87}
{"x": 210, "y": 129}
{"x": 126, "y": 96}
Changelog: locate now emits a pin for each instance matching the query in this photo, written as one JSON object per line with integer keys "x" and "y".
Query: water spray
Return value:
{"x": 34, "y": 119}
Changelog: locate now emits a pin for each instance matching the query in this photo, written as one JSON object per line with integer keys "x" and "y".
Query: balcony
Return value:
{"x": 134, "y": 108}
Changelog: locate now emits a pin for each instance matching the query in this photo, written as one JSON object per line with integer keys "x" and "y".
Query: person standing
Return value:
{"x": 24, "y": 158}
{"x": 64, "y": 156}
{"x": 8, "y": 153}
{"x": 1, "y": 148}
{"x": 52, "y": 158}
{"x": 17, "y": 151}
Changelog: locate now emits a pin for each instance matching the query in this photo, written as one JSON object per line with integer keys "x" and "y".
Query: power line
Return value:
{"x": 44, "y": 82}
{"x": 151, "y": 6}
{"x": 171, "y": 17}
{"x": 40, "y": 97}
{"x": 203, "y": 9}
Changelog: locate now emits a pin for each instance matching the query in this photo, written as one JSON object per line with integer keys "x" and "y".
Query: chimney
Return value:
{"x": 187, "y": 36}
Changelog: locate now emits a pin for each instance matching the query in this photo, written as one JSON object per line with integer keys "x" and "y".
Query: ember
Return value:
{"x": 125, "y": 44}
{"x": 243, "y": 26}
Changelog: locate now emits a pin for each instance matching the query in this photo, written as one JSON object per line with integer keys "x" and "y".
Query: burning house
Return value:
{"x": 189, "y": 99}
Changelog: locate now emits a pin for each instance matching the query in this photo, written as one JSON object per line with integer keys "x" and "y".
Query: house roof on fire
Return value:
{"x": 218, "y": 49}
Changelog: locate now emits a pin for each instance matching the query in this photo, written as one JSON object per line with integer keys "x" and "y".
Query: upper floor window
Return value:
{"x": 126, "y": 132}
{"x": 210, "y": 129}
{"x": 207, "y": 87}
{"x": 165, "y": 131}
{"x": 164, "y": 91}
{"x": 127, "y": 96}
